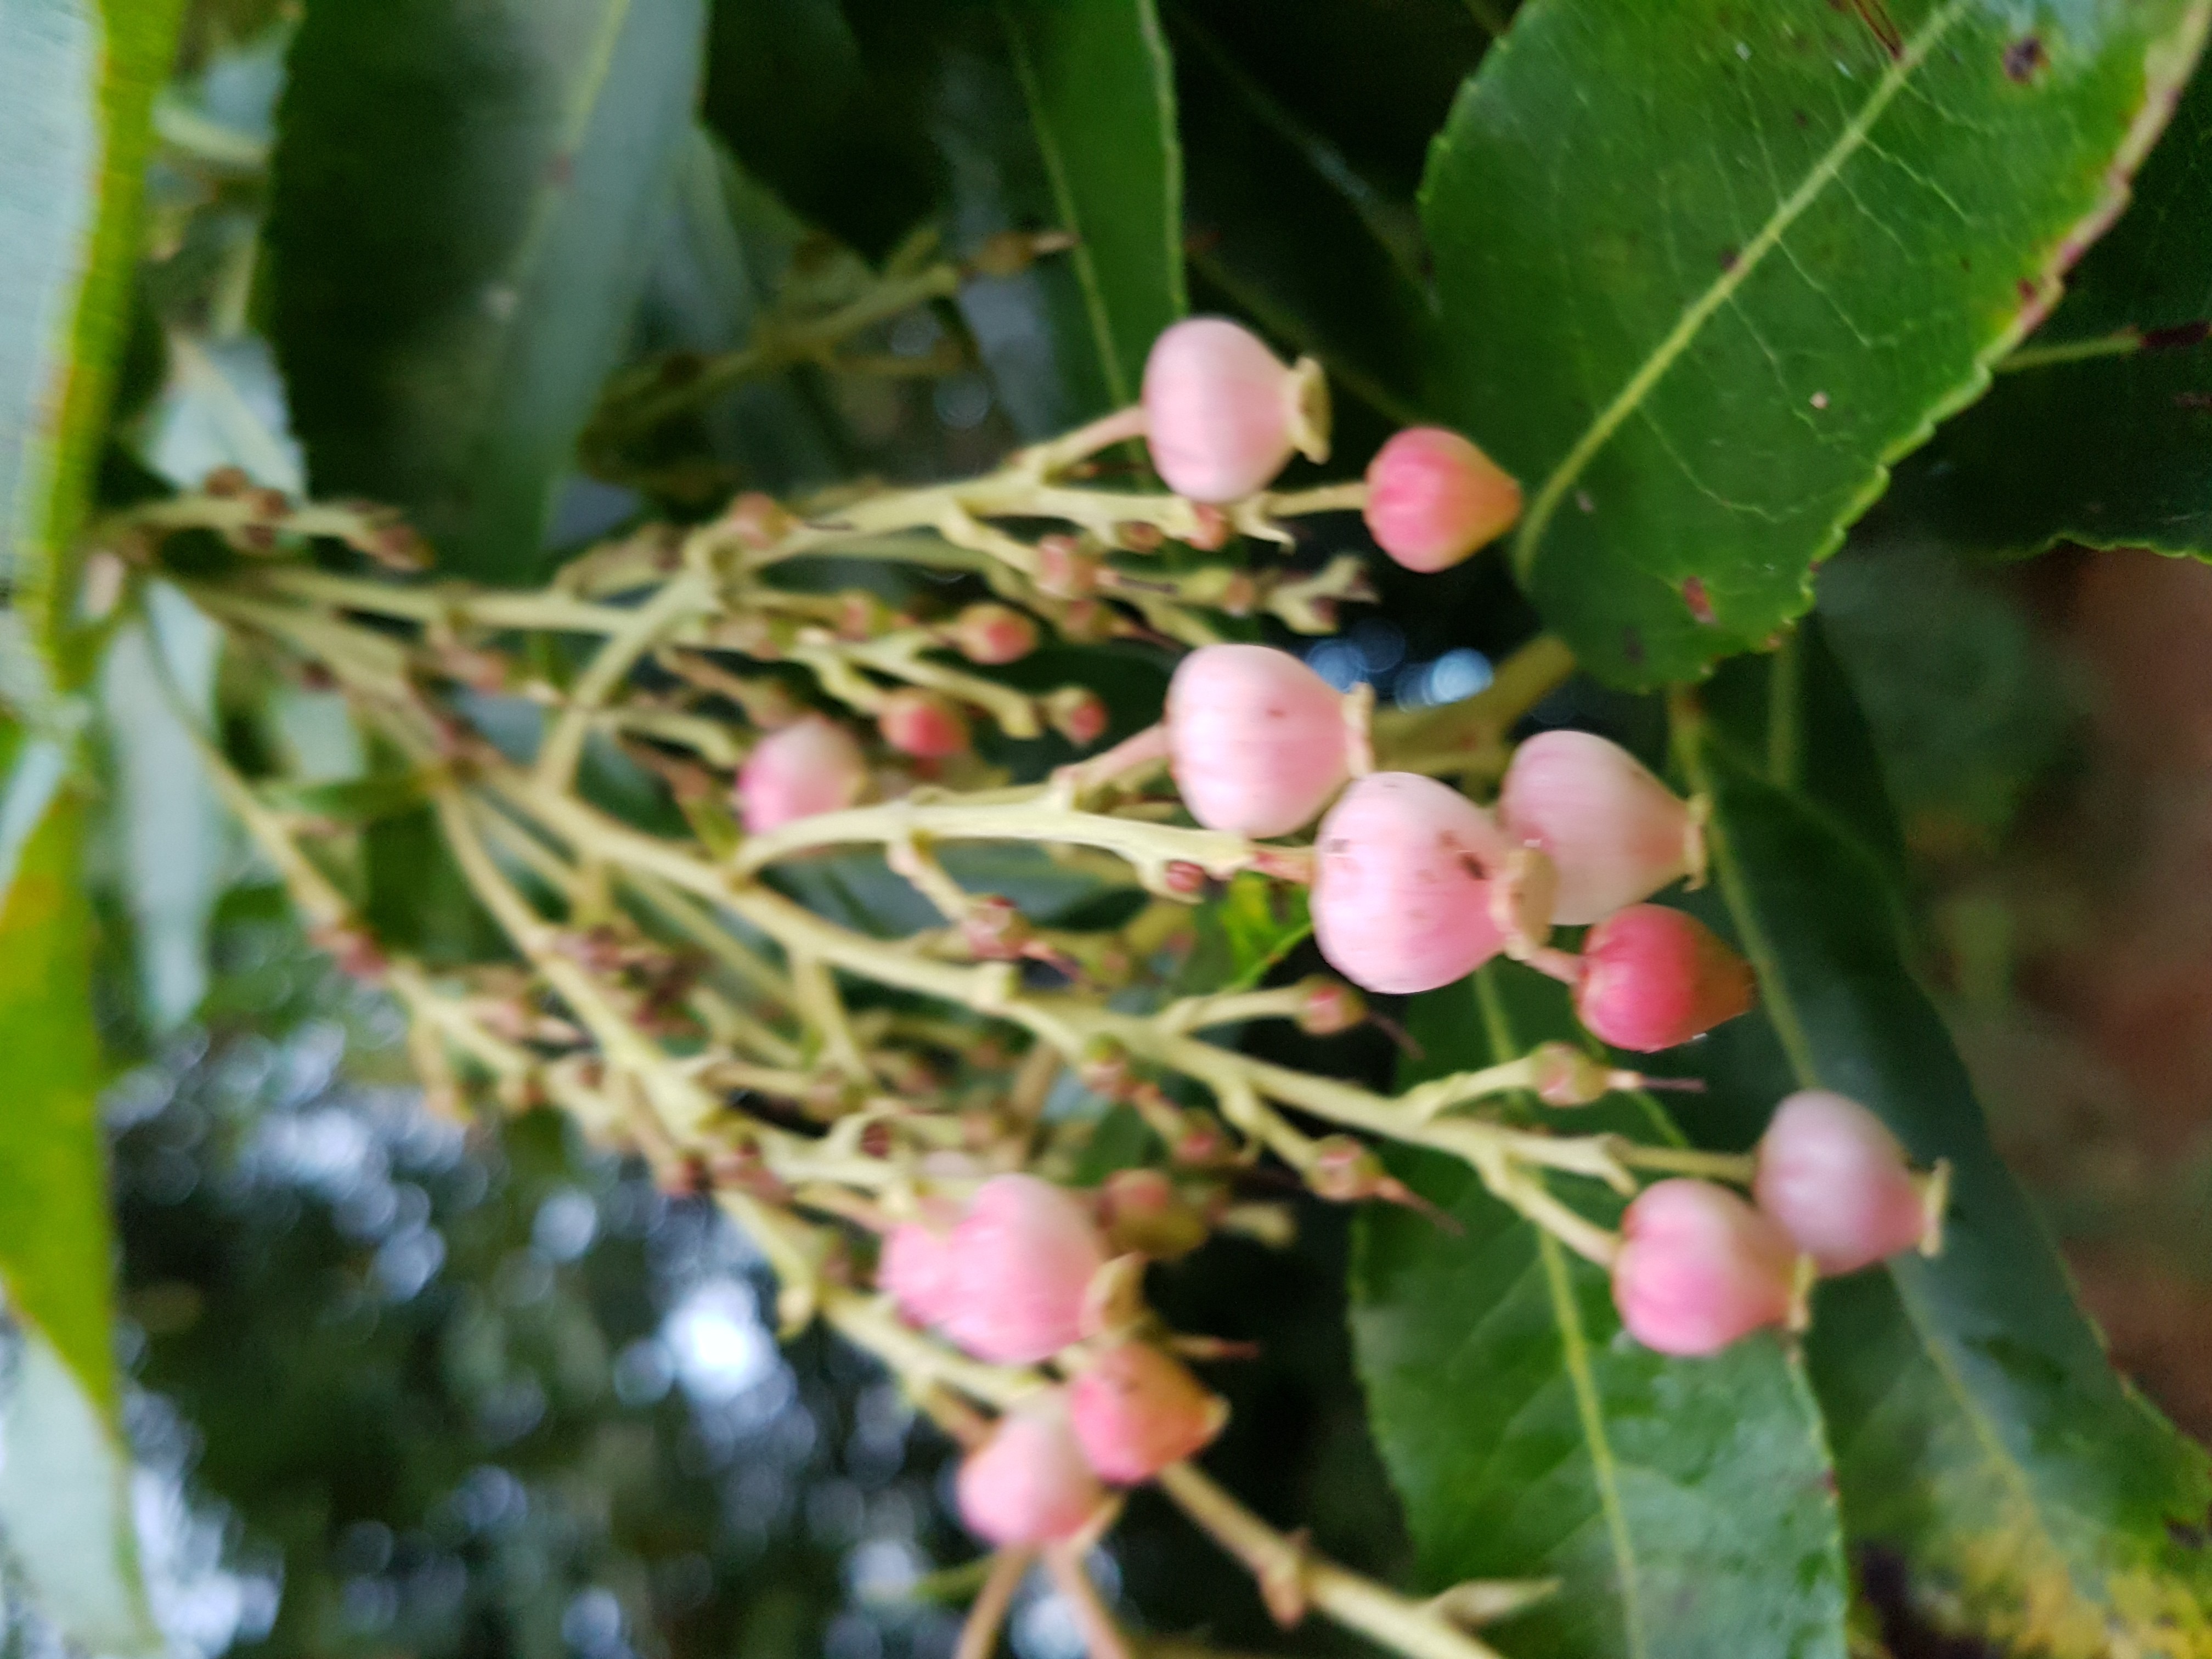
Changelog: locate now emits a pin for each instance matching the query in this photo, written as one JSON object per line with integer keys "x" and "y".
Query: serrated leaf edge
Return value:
{"x": 2137, "y": 1595}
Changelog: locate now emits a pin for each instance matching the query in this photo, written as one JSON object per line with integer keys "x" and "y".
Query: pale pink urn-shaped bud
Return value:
{"x": 1136, "y": 1410}
{"x": 1223, "y": 415}
{"x": 1614, "y": 832}
{"x": 1699, "y": 1269}
{"x": 1023, "y": 1259}
{"x": 1257, "y": 741}
{"x": 1653, "y": 976}
{"x": 1028, "y": 1484}
{"x": 915, "y": 1267}
{"x": 922, "y": 723}
{"x": 1433, "y": 498}
{"x": 1401, "y": 899}
{"x": 813, "y": 765}
{"x": 1835, "y": 1179}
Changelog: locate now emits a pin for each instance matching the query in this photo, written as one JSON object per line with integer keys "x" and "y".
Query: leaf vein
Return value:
{"x": 1693, "y": 319}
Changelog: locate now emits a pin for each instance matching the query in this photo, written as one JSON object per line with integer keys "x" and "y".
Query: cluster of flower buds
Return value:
{"x": 1021, "y": 1277}
{"x": 1699, "y": 1267}
{"x": 1223, "y": 414}
{"x": 1417, "y": 886}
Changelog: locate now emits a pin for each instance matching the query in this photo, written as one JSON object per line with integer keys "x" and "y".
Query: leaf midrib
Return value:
{"x": 1528, "y": 542}
{"x": 1574, "y": 1349}
{"x": 1781, "y": 1010}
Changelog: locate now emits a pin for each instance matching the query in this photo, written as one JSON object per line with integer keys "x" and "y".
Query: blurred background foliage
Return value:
{"x": 397, "y": 1387}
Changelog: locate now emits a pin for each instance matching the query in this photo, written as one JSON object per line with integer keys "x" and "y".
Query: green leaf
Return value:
{"x": 1265, "y": 191}
{"x": 809, "y": 113}
{"x": 1251, "y": 926}
{"x": 1095, "y": 78}
{"x": 1684, "y": 1504}
{"x": 172, "y": 831}
{"x": 1708, "y": 269}
{"x": 2095, "y": 430}
{"x": 76, "y": 129}
{"x": 64, "y": 1499}
{"x": 1978, "y": 1428}
{"x": 2107, "y": 451}
{"x": 463, "y": 201}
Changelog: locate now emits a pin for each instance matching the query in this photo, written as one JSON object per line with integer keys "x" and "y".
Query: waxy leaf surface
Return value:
{"x": 1708, "y": 269}
{"x": 466, "y": 199}
{"x": 1684, "y": 1504}
{"x": 2096, "y": 430}
{"x": 1979, "y": 1430}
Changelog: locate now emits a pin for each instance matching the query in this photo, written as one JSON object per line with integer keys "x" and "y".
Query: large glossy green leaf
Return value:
{"x": 1978, "y": 1428}
{"x": 64, "y": 1512}
{"x": 2096, "y": 430}
{"x": 1101, "y": 97}
{"x": 1707, "y": 269}
{"x": 1684, "y": 1506}
{"x": 76, "y": 124}
{"x": 464, "y": 199}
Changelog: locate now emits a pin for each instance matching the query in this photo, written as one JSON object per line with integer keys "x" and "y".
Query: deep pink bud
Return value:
{"x": 1433, "y": 498}
{"x": 1024, "y": 1257}
{"x": 1615, "y": 833}
{"x": 1653, "y": 977}
{"x": 1028, "y": 1484}
{"x": 1258, "y": 741}
{"x": 1400, "y": 897}
{"x": 1699, "y": 1269}
{"x": 993, "y": 634}
{"x": 1223, "y": 415}
{"x": 915, "y": 1267}
{"x": 924, "y": 723}
{"x": 813, "y": 765}
{"x": 1136, "y": 1410}
{"x": 1836, "y": 1180}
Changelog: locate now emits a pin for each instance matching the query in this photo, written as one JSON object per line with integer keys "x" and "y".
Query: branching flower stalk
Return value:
{"x": 831, "y": 1087}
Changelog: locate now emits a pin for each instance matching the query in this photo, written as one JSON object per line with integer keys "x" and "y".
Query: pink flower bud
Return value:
{"x": 813, "y": 765}
{"x": 1699, "y": 1269}
{"x": 922, "y": 723}
{"x": 1077, "y": 714}
{"x": 1023, "y": 1258}
{"x": 1258, "y": 741}
{"x": 1653, "y": 978}
{"x": 1433, "y": 498}
{"x": 1401, "y": 894}
{"x": 1028, "y": 1484}
{"x": 1136, "y": 1410}
{"x": 1223, "y": 415}
{"x": 993, "y": 634}
{"x": 1616, "y": 833}
{"x": 1146, "y": 1215}
{"x": 1836, "y": 1180}
{"x": 915, "y": 1267}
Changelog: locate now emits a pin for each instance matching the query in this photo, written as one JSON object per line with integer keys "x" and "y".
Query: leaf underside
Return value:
{"x": 463, "y": 203}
